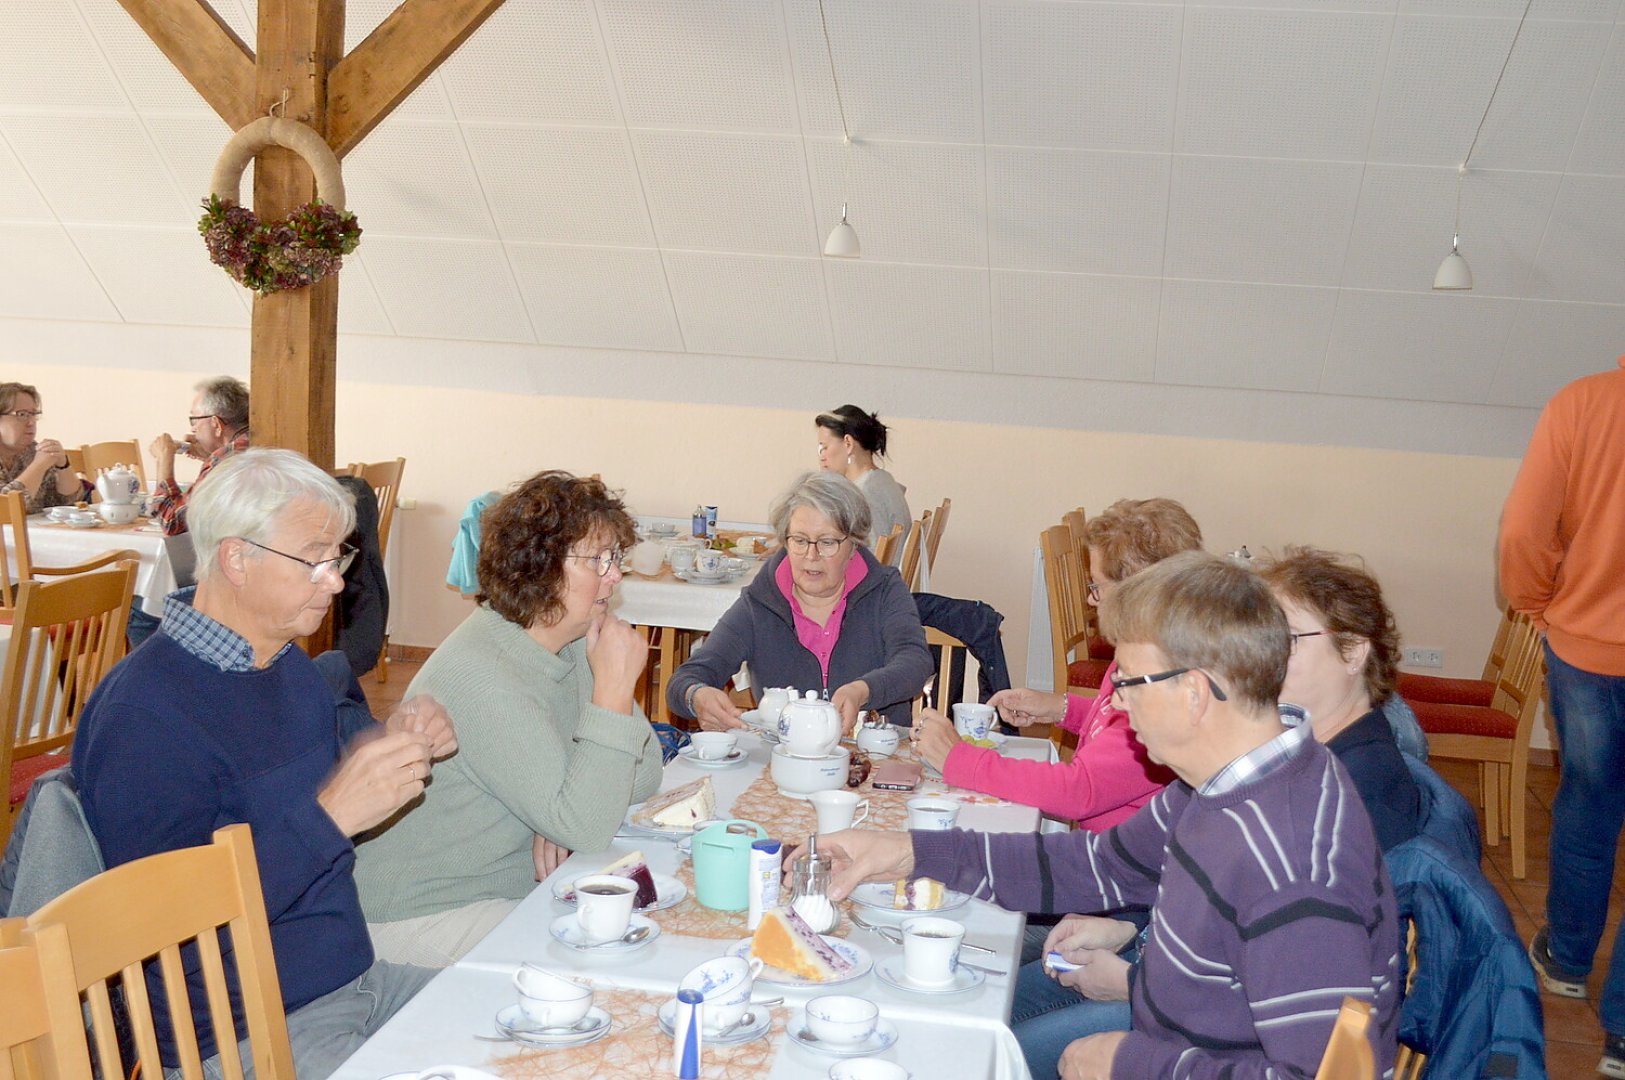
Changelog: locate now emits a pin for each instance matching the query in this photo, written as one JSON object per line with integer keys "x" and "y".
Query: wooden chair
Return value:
{"x": 384, "y": 477}
{"x": 1480, "y": 691}
{"x": 886, "y": 546}
{"x": 946, "y": 650}
{"x": 41, "y": 1031}
{"x": 1068, "y": 625}
{"x": 933, "y": 535}
{"x": 122, "y": 917}
{"x": 76, "y": 460}
{"x": 913, "y": 546}
{"x": 65, "y": 636}
{"x": 1085, "y": 673}
{"x": 1497, "y": 736}
{"x": 669, "y": 648}
{"x": 104, "y": 455}
{"x": 1348, "y": 1053}
{"x": 14, "y": 515}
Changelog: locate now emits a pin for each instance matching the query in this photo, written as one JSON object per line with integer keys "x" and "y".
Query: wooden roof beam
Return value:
{"x": 379, "y": 73}
{"x": 205, "y": 50}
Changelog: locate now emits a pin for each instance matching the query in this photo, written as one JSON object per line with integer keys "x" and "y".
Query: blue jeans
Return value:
{"x": 1587, "y": 815}
{"x": 1047, "y": 1016}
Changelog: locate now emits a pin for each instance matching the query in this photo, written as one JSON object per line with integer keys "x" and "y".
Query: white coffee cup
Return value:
{"x": 681, "y": 557}
{"x": 971, "y": 720}
{"x": 931, "y": 950}
{"x": 841, "y": 1019}
{"x": 710, "y": 562}
{"x": 648, "y": 557}
{"x": 604, "y": 905}
{"x": 931, "y": 814}
{"x": 550, "y": 1000}
{"x": 726, "y": 984}
{"x": 59, "y": 513}
{"x": 838, "y": 810}
{"x": 713, "y": 745}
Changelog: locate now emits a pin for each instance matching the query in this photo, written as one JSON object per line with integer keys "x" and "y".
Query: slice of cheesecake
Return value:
{"x": 785, "y": 941}
{"x": 920, "y": 894}
{"x": 680, "y": 807}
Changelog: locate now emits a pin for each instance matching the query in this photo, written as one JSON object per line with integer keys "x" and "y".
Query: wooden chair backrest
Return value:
{"x": 933, "y": 535}
{"x": 14, "y": 514}
{"x": 123, "y": 916}
{"x": 76, "y": 459}
{"x": 913, "y": 546}
{"x": 1497, "y": 658}
{"x": 943, "y": 647}
{"x": 886, "y": 546}
{"x": 1348, "y": 1053}
{"x": 1517, "y": 688}
{"x": 1068, "y": 610}
{"x": 41, "y": 1031}
{"x": 384, "y": 477}
{"x": 104, "y": 455}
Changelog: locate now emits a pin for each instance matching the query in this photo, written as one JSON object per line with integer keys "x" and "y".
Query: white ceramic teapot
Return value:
{"x": 809, "y": 727}
{"x": 119, "y": 485}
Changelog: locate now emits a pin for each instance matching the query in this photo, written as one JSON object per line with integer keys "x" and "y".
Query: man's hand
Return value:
{"x": 616, "y": 653}
{"x": 934, "y": 737}
{"x": 163, "y": 450}
{"x": 849, "y": 701}
{"x": 1091, "y": 1058}
{"x": 375, "y": 779}
{"x": 1020, "y": 708}
{"x": 1102, "y": 975}
{"x": 715, "y": 710}
{"x": 1089, "y": 932}
{"x": 547, "y": 855}
{"x": 859, "y": 856}
{"x": 423, "y": 714}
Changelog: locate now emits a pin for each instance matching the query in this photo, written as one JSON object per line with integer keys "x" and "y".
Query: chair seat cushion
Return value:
{"x": 1086, "y": 673}
{"x": 24, "y": 771}
{"x": 1437, "y": 719}
{"x": 1418, "y": 688}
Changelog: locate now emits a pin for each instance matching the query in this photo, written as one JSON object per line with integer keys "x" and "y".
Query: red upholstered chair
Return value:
{"x": 1480, "y": 691}
{"x": 1496, "y": 735}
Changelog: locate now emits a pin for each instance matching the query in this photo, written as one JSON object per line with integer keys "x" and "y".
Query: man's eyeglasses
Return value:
{"x": 827, "y": 545}
{"x": 1304, "y": 634}
{"x": 604, "y": 561}
{"x": 1093, "y": 588}
{"x": 338, "y": 564}
{"x": 205, "y": 416}
{"x": 25, "y": 415}
{"x": 1119, "y": 684}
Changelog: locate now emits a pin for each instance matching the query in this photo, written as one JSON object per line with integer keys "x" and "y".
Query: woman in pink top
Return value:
{"x": 1109, "y": 776}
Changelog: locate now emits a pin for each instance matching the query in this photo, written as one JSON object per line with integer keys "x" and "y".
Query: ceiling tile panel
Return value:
{"x": 1552, "y": 344}
{"x": 1097, "y": 76}
{"x": 161, "y": 276}
{"x": 446, "y": 288}
{"x": 1433, "y": 347}
{"x": 741, "y": 305}
{"x": 1075, "y": 326}
{"x": 1080, "y": 210}
{"x": 1402, "y": 229}
{"x": 360, "y": 311}
{"x": 910, "y": 202}
{"x": 1259, "y": 220}
{"x": 611, "y": 298}
{"x": 728, "y": 55}
{"x": 146, "y": 75}
{"x": 909, "y": 316}
{"x": 536, "y": 62}
{"x": 190, "y": 144}
{"x": 1593, "y": 10}
{"x": 48, "y": 58}
{"x": 715, "y": 192}
{"x": 561, "y": 185}
{"x": 929, "y": 89}
{"x": 1600, "y": 146}
{"x": 58, "y": 285}
{"x": 1580, "y": 256}
{"x": 1261, "y": 337}
{"x": 19, "y": 198}
{"x": 1280, "y": 83}
{"x": 415, "y": 179}
{"x": 97, "y": 169}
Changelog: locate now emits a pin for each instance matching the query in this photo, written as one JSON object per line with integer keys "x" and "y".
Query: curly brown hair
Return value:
{"x": 1132, "y": 534}
{"x": 525, "y": 536}
{"x": 1348, "y": 598}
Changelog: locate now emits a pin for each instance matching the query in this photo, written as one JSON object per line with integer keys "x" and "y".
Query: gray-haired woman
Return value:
{"x": 821, "y": 614}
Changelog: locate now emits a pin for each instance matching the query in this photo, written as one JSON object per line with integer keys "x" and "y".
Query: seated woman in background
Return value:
{"x": 822, "y": 614}
{"x": 849, "y": 441}
{"x": 552, "y": 750}
{"x": 36, "y": 467}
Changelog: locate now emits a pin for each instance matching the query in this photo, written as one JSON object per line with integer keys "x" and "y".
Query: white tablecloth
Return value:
{"x": 59, "y": 545}
{"x": 965, "y": 1035}
{"x": 668, "y": 602}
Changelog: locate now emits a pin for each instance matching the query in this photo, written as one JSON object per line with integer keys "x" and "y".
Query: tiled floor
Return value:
{"x": 1573, "y": 1032}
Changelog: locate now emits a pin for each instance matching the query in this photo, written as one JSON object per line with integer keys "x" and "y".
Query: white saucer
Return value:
{"x": 752, "y": 719}
{"x": 669, "y": 892}
{"x": 518, "y": 1027}
{"x": 693, "y": 577}
{"x": 890, "y": 971}
{"x": 567, "y": 931}
{"x": 883, "y": 1038}
{"x": 83, "y": 524}
{"x": 877, "y": 895}
{"x": 691, "y": 755}
{"x": 761, "y": 1021}
{"x": 856, "y": 955}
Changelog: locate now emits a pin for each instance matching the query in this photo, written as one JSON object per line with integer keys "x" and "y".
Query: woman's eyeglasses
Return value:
{"x": 608, "y": 559}
{"x": 827, "y": 545}
{"x": 1304, "y": 634}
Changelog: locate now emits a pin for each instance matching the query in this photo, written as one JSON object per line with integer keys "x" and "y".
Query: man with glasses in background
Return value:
{"x": 220, "y": 718}
{"x": 217, "y": 427}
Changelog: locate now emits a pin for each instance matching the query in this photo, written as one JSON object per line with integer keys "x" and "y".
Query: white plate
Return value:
{"x": 761, "y": 1020}
{"x": 457, "y": 1072}
{"x": 567, "y": 931}
{"x": 518, "y": 1027}
{"x": 668, "y": 890}
{"x": 632, "y": 825}
{"x": 890, "y": 971}
{"x": 856, "y": 955}
{"x": 883, "y": 1038}
{"x": 691, "y": 755}
{"x": 878, "y": 895}
{"x": 83, "y": 524}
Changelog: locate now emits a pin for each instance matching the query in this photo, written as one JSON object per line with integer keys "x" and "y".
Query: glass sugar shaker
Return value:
{"x": 810, "y": 878}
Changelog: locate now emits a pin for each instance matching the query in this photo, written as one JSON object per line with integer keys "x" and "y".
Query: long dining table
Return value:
{"x": 958, "y": 1034}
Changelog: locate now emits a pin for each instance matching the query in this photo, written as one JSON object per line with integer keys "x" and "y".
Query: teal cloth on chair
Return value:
{"x": 463, "y": 573}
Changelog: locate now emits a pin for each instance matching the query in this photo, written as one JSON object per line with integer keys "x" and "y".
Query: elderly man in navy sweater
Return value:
{"x": 218, "y": 718}
{"x": 1270, "y": 903}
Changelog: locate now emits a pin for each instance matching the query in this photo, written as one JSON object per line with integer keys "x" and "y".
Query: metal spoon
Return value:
{"x": 631, "y": 937}
{"x": 887, "y": 932}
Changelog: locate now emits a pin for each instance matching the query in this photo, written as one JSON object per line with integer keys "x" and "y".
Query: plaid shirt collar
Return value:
{"x": 1258, "y": 763}
{"x": 210, "y": 641}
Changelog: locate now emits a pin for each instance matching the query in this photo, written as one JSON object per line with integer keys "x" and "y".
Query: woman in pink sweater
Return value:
{"x": 1109, "y": 776}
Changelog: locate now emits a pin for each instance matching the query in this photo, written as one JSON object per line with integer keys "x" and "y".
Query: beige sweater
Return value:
{"x": 534, "y": 756}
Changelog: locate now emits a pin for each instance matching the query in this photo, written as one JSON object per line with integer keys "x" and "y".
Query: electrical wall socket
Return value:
{"x": 1424, "y": 658}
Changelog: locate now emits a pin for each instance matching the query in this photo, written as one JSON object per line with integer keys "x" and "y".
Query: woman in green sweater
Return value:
{"x": 552, "y": 750}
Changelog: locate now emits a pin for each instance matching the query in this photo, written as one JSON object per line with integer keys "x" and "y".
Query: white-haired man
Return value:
{"x": 217, "y": 427}
{"x": 219, "y": 718}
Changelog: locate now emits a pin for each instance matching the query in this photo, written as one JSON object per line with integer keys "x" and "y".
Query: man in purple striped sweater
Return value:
{"x": 1270, "y": 903}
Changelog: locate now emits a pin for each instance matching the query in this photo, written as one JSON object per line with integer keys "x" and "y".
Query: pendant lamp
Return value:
{"x": 843, "y": 238}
